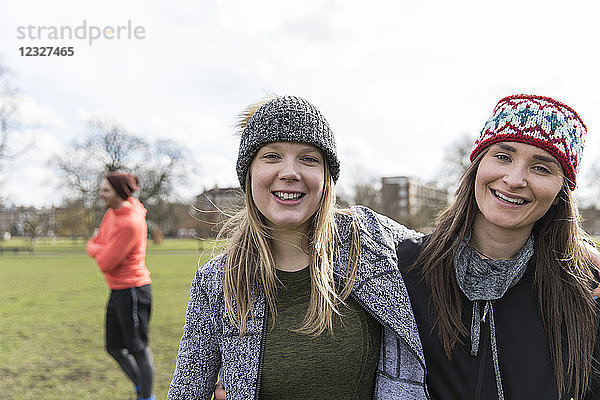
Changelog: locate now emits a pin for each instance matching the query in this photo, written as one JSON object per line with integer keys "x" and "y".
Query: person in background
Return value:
{"x": 307, "y": 300}
{"x": 501, "y": 288}
{"x": 119, "y": 248}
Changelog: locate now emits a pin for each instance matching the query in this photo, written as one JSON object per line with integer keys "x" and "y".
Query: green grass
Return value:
{"x": 63, "y": 244}
{"x": 52, "y": 306}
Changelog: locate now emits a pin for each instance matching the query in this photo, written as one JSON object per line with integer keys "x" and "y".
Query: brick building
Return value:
{"x": 411, "y": 201}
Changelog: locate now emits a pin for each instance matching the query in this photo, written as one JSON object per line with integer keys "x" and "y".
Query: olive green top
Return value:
{"x": 299, "y": 366}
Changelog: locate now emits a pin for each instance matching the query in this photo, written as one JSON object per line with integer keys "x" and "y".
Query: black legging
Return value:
{"x": 139, "y": 367}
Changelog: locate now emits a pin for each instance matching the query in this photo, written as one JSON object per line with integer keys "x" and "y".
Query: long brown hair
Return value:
{"x": 563, "y": 278}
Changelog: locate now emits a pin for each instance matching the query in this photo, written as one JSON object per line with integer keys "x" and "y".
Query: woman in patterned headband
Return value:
{"x": 511, "y": 315}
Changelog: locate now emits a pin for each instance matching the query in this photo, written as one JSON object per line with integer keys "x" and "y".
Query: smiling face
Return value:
{"x": 287, "y": 183}
{"x": 515, "y": 185}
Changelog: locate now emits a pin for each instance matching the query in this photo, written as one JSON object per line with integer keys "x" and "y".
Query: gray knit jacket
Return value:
{"x": 211, "y": 344}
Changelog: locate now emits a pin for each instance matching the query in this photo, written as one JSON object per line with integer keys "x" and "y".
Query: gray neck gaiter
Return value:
{"x": 483, "y": 281}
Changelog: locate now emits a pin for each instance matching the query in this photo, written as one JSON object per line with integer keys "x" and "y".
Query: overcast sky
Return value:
{"x": 397, "y": 80}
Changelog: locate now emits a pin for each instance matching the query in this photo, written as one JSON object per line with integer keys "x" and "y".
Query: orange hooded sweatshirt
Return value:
{"x": 120, "y": 246}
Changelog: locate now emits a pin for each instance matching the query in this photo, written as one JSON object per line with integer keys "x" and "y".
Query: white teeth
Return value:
{"x": 508, "y": 199}
{"x": 288, "y": 196}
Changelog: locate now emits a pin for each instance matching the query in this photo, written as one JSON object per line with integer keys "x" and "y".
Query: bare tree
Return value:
{"x": 33, "y": 226}
{"x": 9, "y": 123}
{"x": 108, "y": 148}
{"x": 455, "y": 162}
{"x": 364, "y": 190}
{"x": 165, "y": 165}
{"x": 6, "y": 110}
{"x": 8, "y": 107}
{"x": 114, "y": 147}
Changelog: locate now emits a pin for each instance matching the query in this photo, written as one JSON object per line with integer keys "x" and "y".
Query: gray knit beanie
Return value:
{"x": 286, "y": 119}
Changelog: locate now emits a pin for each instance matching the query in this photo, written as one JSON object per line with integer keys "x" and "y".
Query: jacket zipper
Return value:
{"x": 383, "y": 324}
{"x": 261, "y": 352}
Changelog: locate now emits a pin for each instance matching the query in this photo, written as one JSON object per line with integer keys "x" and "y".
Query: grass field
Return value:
{"x": 52, "y": 305}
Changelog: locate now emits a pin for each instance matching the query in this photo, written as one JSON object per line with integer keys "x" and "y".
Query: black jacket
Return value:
{"x": 523, "y": 350}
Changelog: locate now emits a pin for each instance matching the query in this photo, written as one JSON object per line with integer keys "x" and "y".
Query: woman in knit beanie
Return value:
{"x": 307, "y": 300}
{"x": 501, "y": 288}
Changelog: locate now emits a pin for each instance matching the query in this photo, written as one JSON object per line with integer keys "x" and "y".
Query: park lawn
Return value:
{"x": 52, "y": 307}
{"x": 64, "y": 244}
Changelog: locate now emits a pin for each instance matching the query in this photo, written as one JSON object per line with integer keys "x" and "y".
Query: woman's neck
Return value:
{"x": 497, "y": 243}
{"x": 289, "y": 250}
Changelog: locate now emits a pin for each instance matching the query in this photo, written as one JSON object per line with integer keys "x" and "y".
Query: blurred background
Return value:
{"x": 154, "y": 88}
{"x": 406, "y": 86}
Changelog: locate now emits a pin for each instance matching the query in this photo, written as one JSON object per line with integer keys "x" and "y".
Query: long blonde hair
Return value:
{"x": 249, "y": 265}
{"x": 563, "y": 278}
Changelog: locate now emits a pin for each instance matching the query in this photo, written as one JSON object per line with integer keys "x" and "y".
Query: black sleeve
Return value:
{"x": 408, "y": 250}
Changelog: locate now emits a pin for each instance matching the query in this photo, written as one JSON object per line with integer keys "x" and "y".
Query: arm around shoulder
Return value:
{"x": 379, "y": 225}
